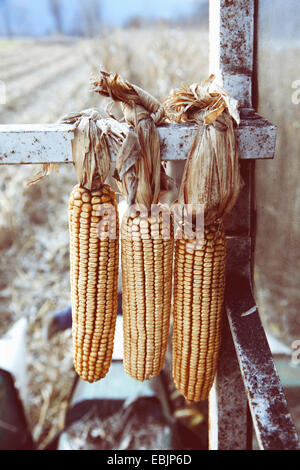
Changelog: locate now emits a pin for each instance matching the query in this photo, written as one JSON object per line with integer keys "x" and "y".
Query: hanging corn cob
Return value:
{"x": 211, "y": 178}
{"x": 94, "y": 248}
{"x": 146, "y": 242}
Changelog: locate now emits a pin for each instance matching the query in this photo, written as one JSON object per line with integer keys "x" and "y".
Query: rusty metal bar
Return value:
{"x": 231, "y": 37}
{"x": 231, "y": 31}
{"x": 229, "y": 423}
{"x": 272, "y": 421}
{"x": 231, "y": 59}
{"x": 51, "y": 143}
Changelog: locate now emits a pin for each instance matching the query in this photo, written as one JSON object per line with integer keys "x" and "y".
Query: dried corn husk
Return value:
{"x": 90, "y": 146}
{"x": 46, "y": 170}
{"x": 211, "y": 176}
{"x": 138, "y": 164}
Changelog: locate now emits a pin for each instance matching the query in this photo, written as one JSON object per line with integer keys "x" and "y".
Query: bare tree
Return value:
{"x": 6, "y": 9}
{"x": 55, "y": 7}
{"x": 91, "y": 17}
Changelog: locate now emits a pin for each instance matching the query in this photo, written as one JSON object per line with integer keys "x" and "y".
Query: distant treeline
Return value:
{"x": 90, "y": 17}
{"x": 278, "y": 19}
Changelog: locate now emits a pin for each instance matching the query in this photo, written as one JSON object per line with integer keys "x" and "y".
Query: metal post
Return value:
{"x": 231, "y": 60}
{"x": 231, "y": 40}
{"x": 228, "y": 408}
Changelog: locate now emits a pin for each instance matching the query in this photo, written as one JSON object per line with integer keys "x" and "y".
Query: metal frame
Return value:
{"x": 51, "y": 143}
{"x": 246, "y": 378}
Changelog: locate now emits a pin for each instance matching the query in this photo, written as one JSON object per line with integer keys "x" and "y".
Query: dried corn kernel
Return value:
{"x": 94, "y": 280}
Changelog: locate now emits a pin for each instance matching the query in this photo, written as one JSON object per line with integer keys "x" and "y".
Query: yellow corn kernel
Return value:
{"x": 147, "y": 287}
{"x": 199, "y": 283}
{"x": 94, "y": 279}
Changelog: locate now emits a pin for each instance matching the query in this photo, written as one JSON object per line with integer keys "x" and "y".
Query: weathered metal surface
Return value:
{"x": 21, "y": 144}
{"x": 52, "y": 143}
{"x": 272, "y": 421}
{"x": 256, "y": 139}
{"x": 256, "y": 134}
{"x": 239, "y": 86}
{"x": 239, "y": 220}
{"x": 238, "y": 255}
{"x": 231, "y": 59}
{"x": 231, "y": 46}
{"x": 229, "y": 425}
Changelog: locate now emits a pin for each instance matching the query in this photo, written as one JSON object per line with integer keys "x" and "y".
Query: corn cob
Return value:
{"x": 94, "y": 278}
{"x": 199, "y": 281}
{"x": 211, "y": 178}
{"x": 146, "y": 250}
{"x": 147, "y": 258}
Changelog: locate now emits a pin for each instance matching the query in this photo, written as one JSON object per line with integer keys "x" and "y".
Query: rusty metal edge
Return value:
{"x": 273, "y": 424}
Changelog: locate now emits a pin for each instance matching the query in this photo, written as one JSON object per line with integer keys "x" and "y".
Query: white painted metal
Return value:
{"x": 228, "y": 426}
{"x": 231, "y": 60}
{"x": 35, "y": 144}
{"x": 231, "y": 40}
{"x": 213, "y": 417}
{"x": 25, "y": 144}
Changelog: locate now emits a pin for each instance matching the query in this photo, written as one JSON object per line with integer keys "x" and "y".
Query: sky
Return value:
{"x": 35, "y": 17}
{"x": 116, "y": 11}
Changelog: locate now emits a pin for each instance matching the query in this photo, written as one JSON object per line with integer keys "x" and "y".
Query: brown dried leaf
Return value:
{"x": 93, "y": 132}
{"x": 203, "y": 103}
{"x": 138, "y": 164}
{"x": 211, "y": 176}
{"x": 40, "y": 174}
{"x": 135, "y": 98}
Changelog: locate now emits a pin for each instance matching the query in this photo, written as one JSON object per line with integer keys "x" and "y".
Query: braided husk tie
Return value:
{"x": 138, "y": 168}
{"x": 212, "y": 175}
